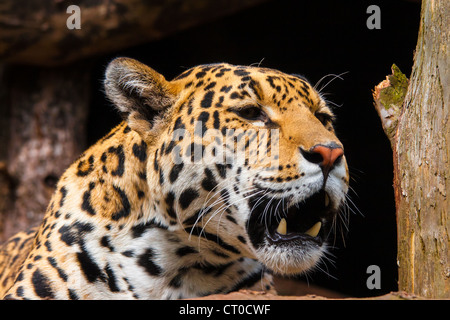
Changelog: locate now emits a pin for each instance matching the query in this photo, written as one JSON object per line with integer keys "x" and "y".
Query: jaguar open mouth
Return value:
{"x": 302, "y": 222}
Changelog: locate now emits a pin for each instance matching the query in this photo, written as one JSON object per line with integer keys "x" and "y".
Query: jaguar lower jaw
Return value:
{"x": 290, "y": 259}
{"x": 294, "y": 243}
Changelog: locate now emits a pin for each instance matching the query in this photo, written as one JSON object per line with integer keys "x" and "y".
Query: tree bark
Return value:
{"x": 419, "y": 131}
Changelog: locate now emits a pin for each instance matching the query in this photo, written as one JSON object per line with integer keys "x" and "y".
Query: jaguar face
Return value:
{"x": 270, "y": 163}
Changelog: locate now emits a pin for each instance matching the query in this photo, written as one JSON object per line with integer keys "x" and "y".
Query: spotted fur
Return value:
{"x": 157, "y": 209}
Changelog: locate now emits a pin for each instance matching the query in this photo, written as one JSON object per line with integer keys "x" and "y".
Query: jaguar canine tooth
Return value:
{"x": 282, "y": 227}
{"x": 314, "y": 230}
{"x": 327, "y": 200}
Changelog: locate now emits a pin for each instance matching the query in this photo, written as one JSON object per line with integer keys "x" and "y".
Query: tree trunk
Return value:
{"x": 46, "y": 111}
{"x": 419, "y": 130}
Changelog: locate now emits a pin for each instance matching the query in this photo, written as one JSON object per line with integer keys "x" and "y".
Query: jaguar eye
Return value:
{"x": 324, "y": 118}
{"x": 250, "y": 113}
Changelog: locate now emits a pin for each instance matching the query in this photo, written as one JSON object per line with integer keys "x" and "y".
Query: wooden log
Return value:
{"x": 36, "y": 32}
{"x": 257, "y": 295}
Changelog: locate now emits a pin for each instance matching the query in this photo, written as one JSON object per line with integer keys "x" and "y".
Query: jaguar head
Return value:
{"x": 244, "y": 158}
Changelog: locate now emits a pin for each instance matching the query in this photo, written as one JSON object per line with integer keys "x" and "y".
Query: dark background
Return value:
{"x": 312, "y": 38}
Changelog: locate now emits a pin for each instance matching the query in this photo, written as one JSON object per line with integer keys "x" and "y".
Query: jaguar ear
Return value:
{"x": 140, "y": 93}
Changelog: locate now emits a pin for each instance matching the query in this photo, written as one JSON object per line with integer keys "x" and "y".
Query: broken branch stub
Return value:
{"x": 388, "y": 98}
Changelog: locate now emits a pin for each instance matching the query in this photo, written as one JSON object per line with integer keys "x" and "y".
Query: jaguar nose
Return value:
{"x": 326, "y": 156}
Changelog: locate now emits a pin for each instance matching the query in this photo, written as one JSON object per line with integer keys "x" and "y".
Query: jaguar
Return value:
{"x": 213, "y": 182}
